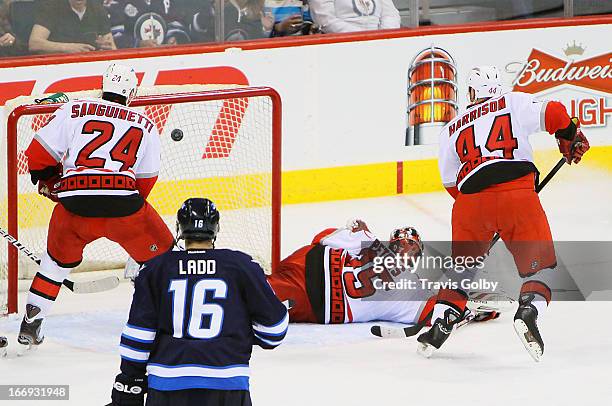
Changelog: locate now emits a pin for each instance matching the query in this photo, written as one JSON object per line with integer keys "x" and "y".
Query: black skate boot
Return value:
{"x": 29, "y": 333}
{"x": 525, "y": 325}
{"x": 439, "y": 332}
{"x": 3, "y": 345}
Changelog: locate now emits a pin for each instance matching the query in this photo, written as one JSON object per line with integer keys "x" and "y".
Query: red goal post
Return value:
{"x": 236, "y": 164}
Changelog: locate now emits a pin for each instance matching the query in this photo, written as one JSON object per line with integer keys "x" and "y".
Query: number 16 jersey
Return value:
{"x": 488, "y": 144}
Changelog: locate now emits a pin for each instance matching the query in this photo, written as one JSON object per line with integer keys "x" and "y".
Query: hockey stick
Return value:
{"x": 95, "y": 286}
{"x": 478, "y": 302}
{"x": 398, "y": 332}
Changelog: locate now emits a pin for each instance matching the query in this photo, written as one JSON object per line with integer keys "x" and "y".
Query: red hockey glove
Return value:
{"x": 48, "y": 180}
{"x": 573, "y": 148}
{"x": 48, "y": 188}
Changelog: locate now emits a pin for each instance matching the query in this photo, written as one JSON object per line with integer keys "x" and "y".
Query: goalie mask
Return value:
{"x": 406, "y": 240}
{"x": 197, "y": 220}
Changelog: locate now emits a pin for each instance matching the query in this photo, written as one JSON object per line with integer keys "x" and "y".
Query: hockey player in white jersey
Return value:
{"x": 338, "y": 279}
{"x": 486, "y": 164}
{"x": 333, "y": 280}
{"x": 98, "y": 159}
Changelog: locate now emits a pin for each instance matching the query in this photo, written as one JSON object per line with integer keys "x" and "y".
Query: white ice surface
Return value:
{"x": 344, "y": 365}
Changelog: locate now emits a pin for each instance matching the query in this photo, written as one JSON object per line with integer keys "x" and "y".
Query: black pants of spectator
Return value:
{"x": 198, "y": 397}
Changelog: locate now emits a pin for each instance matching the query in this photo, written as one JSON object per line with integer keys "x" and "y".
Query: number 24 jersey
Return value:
{"x": 104, "y": 147}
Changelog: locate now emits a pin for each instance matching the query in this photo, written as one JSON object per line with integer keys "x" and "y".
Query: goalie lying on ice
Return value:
{"x": 338, "y": 278}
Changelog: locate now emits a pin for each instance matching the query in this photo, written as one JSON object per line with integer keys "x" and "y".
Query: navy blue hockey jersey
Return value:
{"x": 194, "y": 318}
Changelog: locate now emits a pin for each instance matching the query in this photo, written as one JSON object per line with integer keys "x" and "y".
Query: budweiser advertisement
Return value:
{"x": 585, "y": 81}
{"x": 386, "y": 96}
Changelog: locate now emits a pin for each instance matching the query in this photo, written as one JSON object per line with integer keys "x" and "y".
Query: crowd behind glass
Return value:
{"x": 73, "y": 26}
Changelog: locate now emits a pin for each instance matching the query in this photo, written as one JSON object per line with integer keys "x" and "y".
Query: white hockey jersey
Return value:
{"x": 104, "y": 148}
{"x": 364, "y": 297}
{"x": 488, "y": 143}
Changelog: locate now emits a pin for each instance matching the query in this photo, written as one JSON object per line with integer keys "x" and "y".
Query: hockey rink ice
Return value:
{"x": 483, "y": 364}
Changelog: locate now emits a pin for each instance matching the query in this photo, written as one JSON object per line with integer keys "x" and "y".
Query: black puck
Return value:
{"x": 176, "y": 134}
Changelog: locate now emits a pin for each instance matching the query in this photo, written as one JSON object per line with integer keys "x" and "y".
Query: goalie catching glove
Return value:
{"x": 572, "y": 142}
{"x": 128, "y": 391}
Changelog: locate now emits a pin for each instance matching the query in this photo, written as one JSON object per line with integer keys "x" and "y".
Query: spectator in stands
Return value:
{"x": 354, "y": 15}
{"x": 289, "y": 17}
{"x": 243, "y": 19}
{"x": 9, "y": 46}
{"x": 70, "y": 26}
{"x": 150, "y": 23}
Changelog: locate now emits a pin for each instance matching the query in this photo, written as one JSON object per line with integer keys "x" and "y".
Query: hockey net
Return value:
{"x": 229, "y": 152}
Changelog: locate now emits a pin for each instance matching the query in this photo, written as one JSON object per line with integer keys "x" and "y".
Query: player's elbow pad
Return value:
{"x": 556, "y": 119}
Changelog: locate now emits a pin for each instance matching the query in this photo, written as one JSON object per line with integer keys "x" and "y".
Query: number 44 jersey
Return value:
{"x": 488, "y": 144}
{"x": 107, "y": 150}
{"x": 194, "y": 318}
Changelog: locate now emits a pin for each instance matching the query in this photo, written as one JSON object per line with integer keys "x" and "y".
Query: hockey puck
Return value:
{"x": 176, "y": 134}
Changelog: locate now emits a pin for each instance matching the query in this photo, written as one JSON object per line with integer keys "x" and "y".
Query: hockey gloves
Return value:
{"x": 48, "y": 180}
{"x": 572, "y": 142}
{"x": 128, "y": 391}
{"x": 48, "y": 188}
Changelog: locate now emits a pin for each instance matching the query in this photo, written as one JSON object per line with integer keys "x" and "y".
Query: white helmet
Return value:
{"x": 486, "y": 81}
{"x": 121, "y": 80}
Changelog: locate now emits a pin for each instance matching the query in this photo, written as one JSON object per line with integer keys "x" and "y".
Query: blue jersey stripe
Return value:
{"x": 192, "y": 382}
{"x": 271, "y": 335}
{"x": 133, "y": 360}
{"x": 199, "y": 366}
{"x": 149, "y": 330}
{"x": 138, "y": 340}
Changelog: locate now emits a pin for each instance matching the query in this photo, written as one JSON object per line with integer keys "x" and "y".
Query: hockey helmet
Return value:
{"x": 120, "y": 80}
{"x": 197, "y": 219}
{"x": 406, "y": 240}
{"x": 485, "y": 81}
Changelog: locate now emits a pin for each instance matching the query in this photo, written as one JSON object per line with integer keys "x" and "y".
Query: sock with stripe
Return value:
{"x": 537, "y": 286}
{"x": 46, "y": 285}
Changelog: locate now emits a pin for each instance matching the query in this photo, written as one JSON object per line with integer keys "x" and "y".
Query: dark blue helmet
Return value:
{"x": 197, "y": 220}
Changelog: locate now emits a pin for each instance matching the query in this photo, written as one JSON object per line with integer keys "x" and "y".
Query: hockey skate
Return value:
{"x": 526, "y": 327}
{"x": 439, "y": 332}
{"x": 29, "y": 333}
{"x": 3, "y": 346}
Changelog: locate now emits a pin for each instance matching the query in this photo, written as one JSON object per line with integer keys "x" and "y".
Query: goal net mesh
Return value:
{"x": 220, "y": 149}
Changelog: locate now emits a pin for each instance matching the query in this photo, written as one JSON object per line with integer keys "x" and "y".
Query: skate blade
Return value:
{"x": 532, "y": 347}
{"x": 425, "y": 350}
{"x": 3, "y": 352}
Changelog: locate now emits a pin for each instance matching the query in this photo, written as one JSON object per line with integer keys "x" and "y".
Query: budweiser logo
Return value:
{"x": 544, "y": 71}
